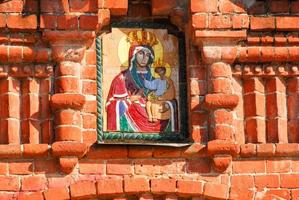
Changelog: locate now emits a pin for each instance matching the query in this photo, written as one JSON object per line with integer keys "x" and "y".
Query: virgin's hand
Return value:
{"x": 135, "y": 97}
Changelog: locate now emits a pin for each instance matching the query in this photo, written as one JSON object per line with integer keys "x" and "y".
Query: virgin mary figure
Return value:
{"x": 126, "y": 102}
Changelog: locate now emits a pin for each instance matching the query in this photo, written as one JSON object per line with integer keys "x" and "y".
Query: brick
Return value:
{"x": 240, "y": 21}
{"x": 197, "y": 87}
{"x": 267, "y": 54}
{"x": 163, "y": 7}
{"x": 277, "y": 130}
{"x": 257, "y": 104}
{"x": 3, "y": 168}
{"x": 219, "y": 69}
{"x": 110, "y": 187}
{"x": 267, "y": 39}
{"x": 83, "y": 6}
{"x": 108, "y": 152}
{"x": 117, "y": 8}
{"x": 147, "y": 167}
{"x": 222, "y": 191}
{"x": 66, "y": 133}
{"x": 289, "y": 180}
{"x": 277, "y": 193}
{"x": 67, "y": 22}
{"x": 220, "y": 22}
{"x": 83, "y": 189}
{"x": 12, "y": 128}
{"x": 104, "y": 17}
{"x": 135, "y": 185}
{"x": 91, "y": 58}
{"x": 287, "y": 149}
{"x": 70, "y": 117}
{"x": 45, "y": 166}
{"x": 35, "y": 150}
{"x": 250, "y": 166}
{"x": 89, "y": 87}
{"x": 222, "y": 116}
{"x": 67, "y": 69}
{"x": 57, "y": 194}
{"x": 198, "y": 166}
{"x": 287, "y": 23}
{"x": 164, "y": 152}
{"x": 87, "y": 22}
{"x": 257, "y": 8}
{"x": 223, "y": 132}
{"x": 141, "y": 10}
{"x": 22, "y": 22}
{"x": 89, "y": 72}
{"x": 67, "y": 84}
{"x": 221, "y": 85}
{"x": 160, "y": 186}
{"x": 241, "y": 193}
{"x": 91, "y": 168}
{"x": 295, "y": 194}
{"x": 278, "y": 6}
{"x": 198, "y": 6}
{"x": 262, "y": 23}
{"x": 265, "y": 150}
{"x": 90, "y": 136}
{"x": 268, "y": 181}
{"x": 54, "y": 6}
{"x": 2, "y": 20}
{"x": 140, "y": 152}
{"x": 10, "y": 151}
{"x": 189, "y": 187}
{"x": 33, "y": 183}
{"x": 15, "y": 54}
{"x": 119, "y": 167}
{"x": 248, "y": 150}
{"x": 9, "y": 183}
{"x": 294, "y": 6}
{"x": 243, "y": 181}
{"x": 21, "y": 168}
{"x": 256, "y": 130}
{"x": 31, "y": 196}
{"x": 48, "y": 21}
{"x": 226, "y": 6}
{"x": 4, "y": 53}
{"x": 11, "y": 6}
{"x": 60, "y": 182}
{"x": 199, "y": 21}
{"x": 171, "y": 166}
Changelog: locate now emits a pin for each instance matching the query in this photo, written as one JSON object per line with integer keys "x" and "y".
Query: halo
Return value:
{"x": 124, "y": 47}
{"x": 167, "y": 74}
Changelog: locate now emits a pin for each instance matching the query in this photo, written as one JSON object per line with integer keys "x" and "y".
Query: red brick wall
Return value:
{"x": 242, "y": 71}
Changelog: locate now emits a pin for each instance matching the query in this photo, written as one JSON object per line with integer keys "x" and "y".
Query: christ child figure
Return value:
{"x": 162, "y": 90}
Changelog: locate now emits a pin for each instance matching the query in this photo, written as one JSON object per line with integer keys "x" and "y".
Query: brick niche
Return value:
{"x": 243, "y": 89}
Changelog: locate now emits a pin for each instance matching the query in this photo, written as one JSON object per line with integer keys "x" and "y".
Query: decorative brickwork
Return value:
{"x": 242, "y": 79}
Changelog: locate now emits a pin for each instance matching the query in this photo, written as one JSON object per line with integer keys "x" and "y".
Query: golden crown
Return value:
{"x": 160, "y": 63}
{"x": 142, "y": 38}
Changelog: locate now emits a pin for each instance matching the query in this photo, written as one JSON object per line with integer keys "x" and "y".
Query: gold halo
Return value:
{"x": 167, "y": 74}
{"x": 124, "y": 47}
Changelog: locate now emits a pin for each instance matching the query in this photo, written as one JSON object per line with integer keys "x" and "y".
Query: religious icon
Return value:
{"x": 140, "y": 81}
